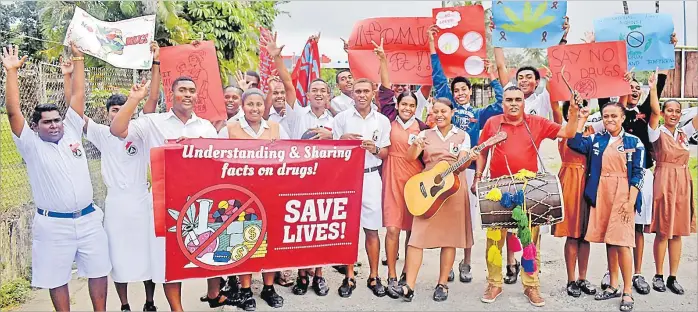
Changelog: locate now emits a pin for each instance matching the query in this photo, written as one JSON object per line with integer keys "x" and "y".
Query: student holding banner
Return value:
{"x": 398, "y": 168}
{"x": 362, "y": 122}
{"x": 153, "y": 130}
{"x": 71, "y": 231}
{"x": 128, "y": 202}
{"x": 673, "y": 212}
{"x": 469, "y": 119}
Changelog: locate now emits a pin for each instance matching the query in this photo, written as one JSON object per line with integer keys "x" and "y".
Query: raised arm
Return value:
{"x": 119, "y": 125}
{"x": 268, "y": 99}
{"x": 501, "y": 62}
{"x": 654, "y": 102}
{"x": 275, "y": 54}
{"x": 569, "y": 130}
{"x": 438, "y": 77}
{"x": 494, "y": 109}
{"x": 151, "y": 104}
{"x": 67, "y": 71}
{"x": 12, "y": 63}
{"x": 77, "y": 99}
{"x": 385, "y": 75}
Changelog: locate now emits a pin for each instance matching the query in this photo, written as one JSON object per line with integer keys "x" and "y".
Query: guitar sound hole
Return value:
{"x": 438, "y": 179}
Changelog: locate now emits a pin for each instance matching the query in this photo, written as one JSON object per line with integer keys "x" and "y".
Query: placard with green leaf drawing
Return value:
{"x": 528, "y": 24}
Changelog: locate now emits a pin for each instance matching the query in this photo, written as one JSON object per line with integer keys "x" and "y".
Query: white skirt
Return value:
{"x": 372, "y": 202}
{"x": 128, "y": 227}
{"x": 645, "y": 215}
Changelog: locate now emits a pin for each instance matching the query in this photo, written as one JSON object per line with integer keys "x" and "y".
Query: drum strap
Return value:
{"x": 530, "y": 136}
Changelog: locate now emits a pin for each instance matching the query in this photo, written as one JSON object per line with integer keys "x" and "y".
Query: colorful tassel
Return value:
{"x": 514, "y": 244}
{"x": 494, "y": 234}
{"x": 524, "y": 236}
{"x": 494, "y": 256}
{"x": 494, "y": 194}
{"x": 529, "y": 266}
{"x": 518, "y": 198}
{"x": 518, "y": 215}
{"x": 529, "y": 252}
{"x": 524, "y": 175}
{"x": 507, "y": 200}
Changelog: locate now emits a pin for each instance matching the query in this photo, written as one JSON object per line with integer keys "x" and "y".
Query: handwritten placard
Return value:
{"x": 647, "y": 37}
{"x": 266, "y": 64}
{"x": 595, "y": 70}
{"x": 528, "y": 24}
{"x": 201, "y": 64}
{"x": 461, "y": 43}
{"x": 406, "y": 46}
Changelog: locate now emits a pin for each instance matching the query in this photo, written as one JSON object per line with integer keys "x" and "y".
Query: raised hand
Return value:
{"x": 10, "y": 58}
{"x": 66, "y": 66}
{"x": 378, "y": 49}
{"x": 674, "y": 41}
{"x": 74, "y": 49}
{"x": 584, "y": 113}
{"x": 589, "y": 37}
{"x": 346, "y": 45}
{"x": 155, "y": 49}
{"x": 432, "y": 31}
{"x": 315, "y": 38}
{"x": 242, "y": 83}
{"x": 548, "y": 74}
{"x": 139, "y": 90}
{"x": 270, "y": 45}
{"x": 652, "y": 80}
{"x": 566, "y": 26}
{"x": 629, "y": 75}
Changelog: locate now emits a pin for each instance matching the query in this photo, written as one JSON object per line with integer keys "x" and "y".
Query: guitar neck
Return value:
{"x": 462, "y": 161}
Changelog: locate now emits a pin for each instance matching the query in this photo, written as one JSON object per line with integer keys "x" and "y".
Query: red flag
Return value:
{"x": 265, "y": 62}
{"x": 306, "y": 70}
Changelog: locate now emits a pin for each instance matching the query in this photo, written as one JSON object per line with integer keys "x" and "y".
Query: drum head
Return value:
{"x": 308, "y": 134}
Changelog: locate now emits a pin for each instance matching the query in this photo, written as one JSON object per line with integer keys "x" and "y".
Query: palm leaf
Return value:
{"x": 511, "y": 15}
{"x": 511, "y": 27}
{"x": 540, "y": 10}
{"x": 527, "y": 11}
{"x": 545, "y": 21}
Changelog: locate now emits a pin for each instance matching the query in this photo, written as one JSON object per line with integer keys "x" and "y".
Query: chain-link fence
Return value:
{"x": 41, "y": 82}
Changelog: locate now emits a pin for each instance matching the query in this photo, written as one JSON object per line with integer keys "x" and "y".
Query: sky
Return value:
{"x": 335, "y": 19}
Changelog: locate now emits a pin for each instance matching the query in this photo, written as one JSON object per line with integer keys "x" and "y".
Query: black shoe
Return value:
{"x": 393, "y": 289}
{"x": 408, "y": 295}
{"x": 627, "y": 305}
{"x": 149, "y": 306}
{"x": 271, "y": 297}
{"x": 586, "y": 287}
{"x": 466, "y": 275}
{"x": 126, "y": 307}
{"x": 403, "y": 280}
{"x": 451, "y": 276}
{"x": 606, "y": 281}
{"x": 232, "y": 285}
{"x": 512, "y": 273}
{"x": 440, "y": 293}
{"x": 658, "y": 284}
{"x": 378, "y": 288}
{"x": 348, "y": 286}
{"x": 674, "y": 286}
{"x": 301, "y": 286}
{"x": 641, "y": 286}
{"x": 608, "y": 293}
{"x": 246, "y": 301}
{"x": 573, "y": 289}
{"x": 217, "y": 302}
{"x": 320, "y": 286}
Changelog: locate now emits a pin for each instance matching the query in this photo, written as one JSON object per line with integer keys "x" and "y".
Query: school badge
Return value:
{"x": 454, "y": 149}
{"x": 77, "y": 151}
{"x": 131, "y": 149}
{"x": 411, "y": 139}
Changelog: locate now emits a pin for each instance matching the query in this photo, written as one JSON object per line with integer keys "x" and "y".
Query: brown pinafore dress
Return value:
{"x": 606, "y": 223}
{"x": 673, "y": 188}
{"x": 235, "y": 131}
{"x": 397, "y": 169}
{"x": 451, "y": 225}
{"x": 572, "y": 177}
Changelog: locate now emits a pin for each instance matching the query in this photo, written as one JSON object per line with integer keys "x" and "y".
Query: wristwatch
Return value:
{"x": 378, "y": 149}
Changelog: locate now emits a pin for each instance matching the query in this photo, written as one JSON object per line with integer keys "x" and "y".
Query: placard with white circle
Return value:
{"x": 474, "y": 65}
{"x": 448, "y": 43}
{"x": 472, "y": 41}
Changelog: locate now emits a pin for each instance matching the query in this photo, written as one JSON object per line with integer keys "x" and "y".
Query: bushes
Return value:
{"x": 14, "y": 292}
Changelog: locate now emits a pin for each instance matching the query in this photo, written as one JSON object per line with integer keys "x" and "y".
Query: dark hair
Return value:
{"x": 40, "y": 109}
{"x": 253, "y": 74}
{"x": 344, "y": 70}
{"x": 180, "y": 79}
{"x": 531, "y": 68}
{"x": 614, "y": 104}
{"x": 670, "y": 100}
{"x": 460, "y": 79}
{"x": 444, "y": 101}
{"x": 321, "y": 80}
{"x": 236, "y": 88}
{"x": 566, "y": 108}
{"x": 116, "y": 100}
{"x": 404, "y": 94}
{"x": 512, "y": 88}
{"x": 363, "y": 80}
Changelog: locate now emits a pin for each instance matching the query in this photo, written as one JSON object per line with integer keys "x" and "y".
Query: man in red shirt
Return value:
{"x": 516, "y": 153}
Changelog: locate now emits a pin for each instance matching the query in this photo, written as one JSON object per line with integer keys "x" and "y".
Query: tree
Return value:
{"x": 328, "y": 75}
{"x": 21, "y": 18}
{"x": 535, "y": 57}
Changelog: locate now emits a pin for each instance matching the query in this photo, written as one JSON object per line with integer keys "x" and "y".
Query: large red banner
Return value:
{"x": 201, "y": 64}
{"x": 595, "y": 70}
{"x": 242, "y": 206}
{"x": 306, "y": 70}
{"x": 266, "y": 64}
{"x": 461, "y": 42}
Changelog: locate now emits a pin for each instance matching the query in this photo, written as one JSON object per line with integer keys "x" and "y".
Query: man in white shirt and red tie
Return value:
{"x": 153, "y": 130}
{"x": 67, "y": 227}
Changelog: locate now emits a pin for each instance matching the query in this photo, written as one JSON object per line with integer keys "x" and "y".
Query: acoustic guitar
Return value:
{"x": 427, "y": 191}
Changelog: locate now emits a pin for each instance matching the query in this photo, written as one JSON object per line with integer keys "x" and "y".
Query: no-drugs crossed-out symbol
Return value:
{"x": 635, "y": 39}
{"x": 220, "y": 246}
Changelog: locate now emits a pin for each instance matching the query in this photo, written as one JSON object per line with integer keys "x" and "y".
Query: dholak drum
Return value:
{"x": 543, "y": 196}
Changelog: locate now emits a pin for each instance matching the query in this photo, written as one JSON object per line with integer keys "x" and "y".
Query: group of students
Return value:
{"x": 603, "y": 177}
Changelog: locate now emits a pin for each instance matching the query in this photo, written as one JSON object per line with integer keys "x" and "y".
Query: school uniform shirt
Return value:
{"x": 58, "y": 173}
{"x": 237, "y": 116}
{"x": 248, "y": 129}
{"x": 594, "y": 148}
{"x": 281, "y": 120}
{"x": 124, "y": 165}
{"x": 300, "y": 119}
{"x": 343, "y": 102}
{"x": 374, "y": 127}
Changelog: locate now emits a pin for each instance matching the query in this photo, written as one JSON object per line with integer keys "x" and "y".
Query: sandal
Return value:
{"x": 407, "y": 295}
{"x": 627, "y": 305}
{"x": 440, "y": 293}
{"x": 608, "y": 293}
{"x": 377, "y": 288}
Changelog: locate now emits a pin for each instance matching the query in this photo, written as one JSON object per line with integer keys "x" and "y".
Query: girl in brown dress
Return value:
{"x": 673, "y": 211}
{"x": 574, "y": 226}
{"x": 450, "y": 227}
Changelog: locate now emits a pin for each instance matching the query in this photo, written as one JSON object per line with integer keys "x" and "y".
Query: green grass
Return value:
{"x": 13, "y": 293}
{"x": 14, "y": 184}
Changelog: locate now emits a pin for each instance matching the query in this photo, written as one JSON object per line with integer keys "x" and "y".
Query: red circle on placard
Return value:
{"x": 191, "y": 257}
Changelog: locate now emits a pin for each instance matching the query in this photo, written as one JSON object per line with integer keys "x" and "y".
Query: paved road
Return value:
{"x": 462, "y": 296}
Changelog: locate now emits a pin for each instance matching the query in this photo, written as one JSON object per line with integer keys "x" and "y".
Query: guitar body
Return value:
{"x": 426, "y": 191}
